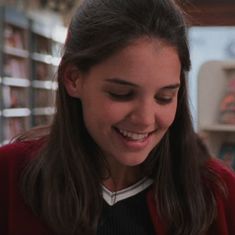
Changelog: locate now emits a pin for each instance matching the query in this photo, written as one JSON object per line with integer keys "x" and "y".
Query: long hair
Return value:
{"x": 62, "y": 184}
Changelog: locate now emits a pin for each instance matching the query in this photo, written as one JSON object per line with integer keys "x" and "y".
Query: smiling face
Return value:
{"x": 129, "y": 100}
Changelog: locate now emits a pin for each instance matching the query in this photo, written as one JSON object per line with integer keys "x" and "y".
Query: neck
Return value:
{"x": 122, "y": 178}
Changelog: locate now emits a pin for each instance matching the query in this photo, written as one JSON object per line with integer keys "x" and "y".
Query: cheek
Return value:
{"x": 167, "y": 116}
{"x": 101, "y": 113}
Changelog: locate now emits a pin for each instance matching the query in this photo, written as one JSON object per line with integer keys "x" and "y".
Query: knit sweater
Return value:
{"x": 127, "y": 216}
{"x": 17, "y": 219}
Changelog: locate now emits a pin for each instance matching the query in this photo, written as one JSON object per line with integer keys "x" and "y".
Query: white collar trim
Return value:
{"x": 113, "y": 197}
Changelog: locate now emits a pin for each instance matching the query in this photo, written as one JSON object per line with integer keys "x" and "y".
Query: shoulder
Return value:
{"x": 20, "y": 147}
{"x": 226, "y": 174}
{"x": 14, "y": 214}
{"x": 225, "y": 201}
{"x": 15, "y": 155}
{"x": 13, "y": 159}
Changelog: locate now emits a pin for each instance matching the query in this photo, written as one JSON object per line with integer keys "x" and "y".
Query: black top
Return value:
{"x": 129, "y": 216}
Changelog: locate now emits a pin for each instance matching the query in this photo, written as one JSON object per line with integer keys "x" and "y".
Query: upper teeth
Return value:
{"x": 132, "y": 135}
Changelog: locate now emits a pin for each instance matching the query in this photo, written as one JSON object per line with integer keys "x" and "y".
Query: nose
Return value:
{"x": 143, "y": 114}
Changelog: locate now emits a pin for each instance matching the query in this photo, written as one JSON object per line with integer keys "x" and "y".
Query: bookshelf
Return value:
{"x": 46, "y": 52}
{"x": 213, "y": 80}
{"x": 14, "y": 73}
{"x": 41, "y": 73}
{"x": 29, "y": 56}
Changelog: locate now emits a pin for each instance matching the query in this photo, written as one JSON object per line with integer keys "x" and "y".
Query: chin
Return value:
{"x": 131, "y": 161}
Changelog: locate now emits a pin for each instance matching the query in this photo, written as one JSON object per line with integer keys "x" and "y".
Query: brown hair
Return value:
{"x": 62, "y": 185}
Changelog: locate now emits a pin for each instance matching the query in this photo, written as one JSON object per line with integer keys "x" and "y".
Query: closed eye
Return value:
{"x": 167, "y": 95}
{"x": 164, "y": 100}
{"x": 121, "y": 97}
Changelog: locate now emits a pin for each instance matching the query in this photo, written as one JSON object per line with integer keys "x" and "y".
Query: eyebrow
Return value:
{"x": 121, "y": 82}
{"x": 171, "y": 87}
{"x": 124, "y": 82}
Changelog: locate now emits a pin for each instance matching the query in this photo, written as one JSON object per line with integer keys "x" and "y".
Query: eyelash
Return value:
{"x": 122, "y": 97}
{"x": 163, "y": 101}
{"x": 128, "y": 96}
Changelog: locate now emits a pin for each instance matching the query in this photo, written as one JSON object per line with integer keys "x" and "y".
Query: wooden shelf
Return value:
{"x": 55, "y": 61}
{"x": 18, "y": 82}
{"x": 16, "y": 52}
{"x": 219, "y": 128}
{"x": 49, "y": 85}
{"x": 44, "y": 111}
{"x": 228, "y": 65}
{"x": 213, "y": 78}
{"x": 16, "y": 112}
{"x": 42, "y": 58}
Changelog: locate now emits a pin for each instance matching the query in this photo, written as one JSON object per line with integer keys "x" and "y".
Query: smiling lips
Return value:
{"x": 133, "y": 135}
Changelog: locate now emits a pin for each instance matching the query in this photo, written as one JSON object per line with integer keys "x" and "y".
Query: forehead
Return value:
{"x": 144, "y": 60}
{"x": 141, "y": 49}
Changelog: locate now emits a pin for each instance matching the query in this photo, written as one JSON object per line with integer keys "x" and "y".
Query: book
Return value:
{"x": 227, "y": 104}
{"x": 13, "y": 126}
{"x": 15, "y": 67}
{"x": 227, "y": 154}
{"x": 15, "y": 97}
{"x": 14, "y": 37}
{"x": 42, "y": 45}
{"x": 43, "y": 98}
{"x": 42, "y": 71}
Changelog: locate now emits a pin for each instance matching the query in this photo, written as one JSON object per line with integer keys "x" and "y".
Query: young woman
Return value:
{"x": 121, "y": 156}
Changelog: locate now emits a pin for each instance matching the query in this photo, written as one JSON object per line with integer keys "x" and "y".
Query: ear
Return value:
{"x": 72, "y": 81}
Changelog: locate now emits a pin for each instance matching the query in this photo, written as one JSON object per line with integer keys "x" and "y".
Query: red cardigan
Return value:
{"x": 17, "y": 219}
